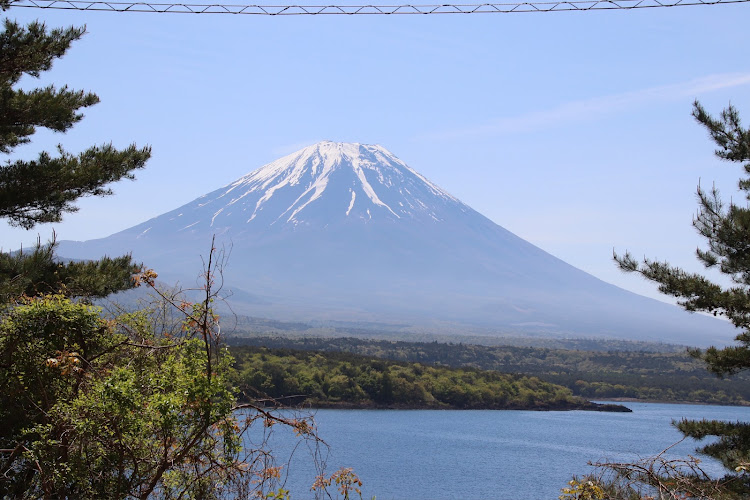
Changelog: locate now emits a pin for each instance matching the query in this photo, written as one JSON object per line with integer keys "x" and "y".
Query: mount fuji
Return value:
{"x": 340, "y": 231}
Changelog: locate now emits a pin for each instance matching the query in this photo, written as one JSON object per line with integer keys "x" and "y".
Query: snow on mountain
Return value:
{"x": 313, "y": 168}
{"x": 349, "y": 231}
{"x": 318, "y": 185}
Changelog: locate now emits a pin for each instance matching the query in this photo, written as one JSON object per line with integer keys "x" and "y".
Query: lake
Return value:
{"x": 477, "y": 454}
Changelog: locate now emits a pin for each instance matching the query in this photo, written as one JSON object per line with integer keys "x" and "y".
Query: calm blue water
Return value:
{"x": 428, "y": 454}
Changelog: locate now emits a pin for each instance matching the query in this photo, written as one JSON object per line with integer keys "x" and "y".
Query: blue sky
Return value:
{"x": 571, "y": 129}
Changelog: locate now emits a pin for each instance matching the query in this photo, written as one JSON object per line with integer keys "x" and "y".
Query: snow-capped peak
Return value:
{"x": 322, "y": 184}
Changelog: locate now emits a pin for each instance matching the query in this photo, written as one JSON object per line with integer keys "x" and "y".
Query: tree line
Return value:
{"x": 643, "y": 375}
{"x": 335, "y": 379}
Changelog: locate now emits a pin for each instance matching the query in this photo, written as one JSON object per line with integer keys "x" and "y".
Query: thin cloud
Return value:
{"x": 591, "y": 108}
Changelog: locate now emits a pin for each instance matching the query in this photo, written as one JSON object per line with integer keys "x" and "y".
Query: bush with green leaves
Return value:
{"x": 108, "y": 409}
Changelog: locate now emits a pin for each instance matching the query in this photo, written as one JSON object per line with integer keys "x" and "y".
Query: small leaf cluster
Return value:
{"x": 582, "y": 490}
{"x": 346, "y": 481}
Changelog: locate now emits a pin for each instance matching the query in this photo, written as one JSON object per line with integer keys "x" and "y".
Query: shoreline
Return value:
{"x": 584, "y": 406}
{"x": 667, "y": 402}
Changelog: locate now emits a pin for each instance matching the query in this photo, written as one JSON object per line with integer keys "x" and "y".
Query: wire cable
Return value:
{"x": 363, "y": 9}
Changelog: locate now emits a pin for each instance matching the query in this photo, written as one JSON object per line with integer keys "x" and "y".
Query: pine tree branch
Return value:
{"x": 42, "y": 190}
{"x": 31, "y": 49}
{"x": 55, "y": 109}
{"x": 38, "y": 272}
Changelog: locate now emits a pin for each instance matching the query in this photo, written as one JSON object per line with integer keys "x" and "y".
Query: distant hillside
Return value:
{"x": 238, "y": 327}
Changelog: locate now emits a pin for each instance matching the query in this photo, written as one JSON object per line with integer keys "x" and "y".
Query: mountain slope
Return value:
{"x": 349, "y": 232}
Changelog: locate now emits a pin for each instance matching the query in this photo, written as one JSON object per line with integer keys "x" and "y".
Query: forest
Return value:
{"x": 344, "y": 380}
{"x": 612, "y": 375}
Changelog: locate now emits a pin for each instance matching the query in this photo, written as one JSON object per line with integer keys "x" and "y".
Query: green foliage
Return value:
{"x": 127, "y": 407}
{"x": 42, "y": 345}
{"x": 345, "y": 380}
{"x": 41, "y": 190}
{"x": 31, "y": 50}
{"x": 733, "y": 445}
{"x": 643, "y": 375}
{"x": 582, "y": 490}
{"x": 726, "y": 229}
{"x": 106, "y": 409}
{"x": 37, "y": 272}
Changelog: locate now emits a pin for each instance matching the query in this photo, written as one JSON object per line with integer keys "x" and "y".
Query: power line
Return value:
{"x": 370, "y": 9}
